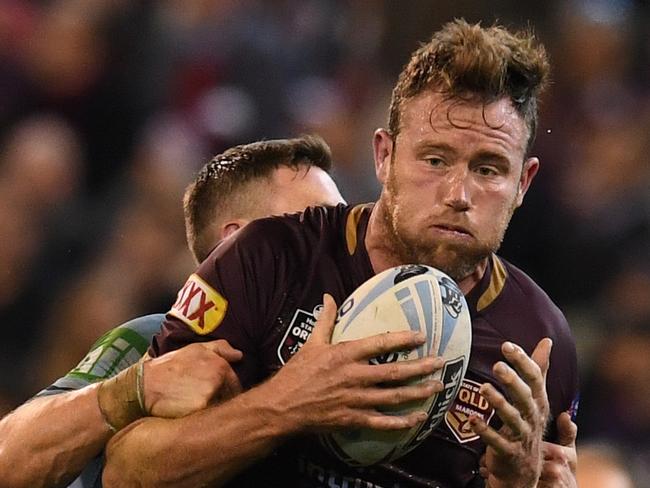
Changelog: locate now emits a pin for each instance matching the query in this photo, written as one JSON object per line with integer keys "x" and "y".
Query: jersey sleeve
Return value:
{"x": 116, "y": 350}
{"x": 234, "y": 295}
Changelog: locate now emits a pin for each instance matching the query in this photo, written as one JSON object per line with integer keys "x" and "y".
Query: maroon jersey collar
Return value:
{"x": 356, "y": 226}
{"x": 489, "y": 287}
{"x": 480, "y": 297}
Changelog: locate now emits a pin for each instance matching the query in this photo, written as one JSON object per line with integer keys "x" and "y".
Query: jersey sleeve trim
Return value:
{"x": 351, "y": 227}
{"x": 115, "y": 351}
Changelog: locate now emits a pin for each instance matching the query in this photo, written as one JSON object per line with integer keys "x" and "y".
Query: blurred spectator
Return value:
{"x": 602, "y": 467}
{"x": 141, "y": 260}
{"x": 617, "y": 392}
{"x": 40, "y": 172}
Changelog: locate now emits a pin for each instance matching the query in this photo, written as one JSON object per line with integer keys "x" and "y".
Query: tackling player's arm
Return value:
{"x": 47, "y": 441}
{"x": 50, "y": 439}
{"x": 323, "y": 387}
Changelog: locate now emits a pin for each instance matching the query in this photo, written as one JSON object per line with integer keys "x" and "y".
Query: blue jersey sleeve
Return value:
{"x": 116, "y": 350}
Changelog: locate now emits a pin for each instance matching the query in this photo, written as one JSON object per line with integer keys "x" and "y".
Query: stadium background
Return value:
{"x": 108, "y": 107}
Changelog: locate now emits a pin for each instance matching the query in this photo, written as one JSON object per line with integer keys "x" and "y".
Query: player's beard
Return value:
{"x": 458, "y": 260}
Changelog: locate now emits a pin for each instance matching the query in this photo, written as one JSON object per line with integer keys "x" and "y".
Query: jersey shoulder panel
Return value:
{"x": 238, "y": 290}
{"x": 512, "y": 296}
{"x": 244, "y": 290}
{"x": 291, "y": 232}
{"x": 116, "y": 350}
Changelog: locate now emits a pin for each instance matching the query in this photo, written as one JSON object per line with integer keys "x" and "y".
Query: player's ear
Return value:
{"x": 382, "y": 145}
{"x": 528, "y": 172}
{"x": 231, "y": 227}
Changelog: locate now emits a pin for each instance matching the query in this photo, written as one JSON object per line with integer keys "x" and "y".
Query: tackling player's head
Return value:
{"x": 253, "y": 181}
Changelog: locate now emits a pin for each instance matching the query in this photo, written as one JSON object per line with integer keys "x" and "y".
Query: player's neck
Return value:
{"x": 383, "y": 255}
{"x": 468, "y": 283}
{"x": 379, "y": 243}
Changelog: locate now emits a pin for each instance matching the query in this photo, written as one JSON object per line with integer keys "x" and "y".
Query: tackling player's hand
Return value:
{"x": 326, "y": 386}
{"x": 514, "y": 454}
{"x": 190, "y": 379}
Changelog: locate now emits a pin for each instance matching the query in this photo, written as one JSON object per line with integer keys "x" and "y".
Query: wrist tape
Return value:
{"x": 121, "y": 398}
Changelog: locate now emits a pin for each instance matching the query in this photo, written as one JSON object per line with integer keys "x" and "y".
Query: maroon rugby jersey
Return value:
{"x": 262, "y": 290}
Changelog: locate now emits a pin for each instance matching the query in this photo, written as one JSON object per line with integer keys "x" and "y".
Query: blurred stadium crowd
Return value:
{"x": 108, "y": 107}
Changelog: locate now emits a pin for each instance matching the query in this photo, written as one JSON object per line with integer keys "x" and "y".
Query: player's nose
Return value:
{"x": 456, "y": 189}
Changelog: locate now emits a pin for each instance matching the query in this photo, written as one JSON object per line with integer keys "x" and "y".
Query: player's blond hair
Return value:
{"x": 219, "y": 191}
{"x": 468, "y": 61}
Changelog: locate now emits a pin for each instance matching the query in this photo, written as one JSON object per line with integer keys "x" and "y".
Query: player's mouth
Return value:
{"x": 452, "y": 230}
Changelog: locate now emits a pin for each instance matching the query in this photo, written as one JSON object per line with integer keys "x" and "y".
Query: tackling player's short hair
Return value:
{"x": 219, "y": 191}
{"x": 468, "y": 61}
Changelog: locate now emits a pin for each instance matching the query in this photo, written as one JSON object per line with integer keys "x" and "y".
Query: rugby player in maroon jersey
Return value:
{"x": 454, "y": 166}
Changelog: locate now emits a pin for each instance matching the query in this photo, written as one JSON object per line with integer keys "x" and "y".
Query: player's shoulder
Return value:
{"x": 516, "y": 294}
{"x": 145, "y": 326}
{"x": 114, "y": 351}
{"x": 532, "y": 301}
{"x": 523, "y": 288}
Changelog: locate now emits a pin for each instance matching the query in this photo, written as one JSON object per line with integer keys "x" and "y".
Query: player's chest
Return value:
{"x": 298, "y": 312}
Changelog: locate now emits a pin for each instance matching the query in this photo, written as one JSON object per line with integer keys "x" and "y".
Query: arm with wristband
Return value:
{"x": 51, "y": 438}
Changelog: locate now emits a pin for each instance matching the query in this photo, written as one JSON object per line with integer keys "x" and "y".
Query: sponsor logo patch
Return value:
{"x": 469, "y": 401}
{"x": 298, "y": 332}
{"x": 200, "y": 306}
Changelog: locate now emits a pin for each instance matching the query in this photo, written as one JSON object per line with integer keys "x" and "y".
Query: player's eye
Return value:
{"x": 487, "y": 171}
{"x": 435, "y": 162}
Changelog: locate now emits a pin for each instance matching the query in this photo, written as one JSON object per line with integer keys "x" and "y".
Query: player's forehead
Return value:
{"x": 434, "y": 116}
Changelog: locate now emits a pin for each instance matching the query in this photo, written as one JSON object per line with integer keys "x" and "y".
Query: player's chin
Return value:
{"x": 458, "y": 261}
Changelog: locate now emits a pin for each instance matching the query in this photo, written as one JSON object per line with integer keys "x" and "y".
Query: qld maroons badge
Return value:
{"x": 469, "y": 401}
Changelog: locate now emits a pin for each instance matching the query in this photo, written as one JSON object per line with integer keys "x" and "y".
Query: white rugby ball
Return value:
{"x": 410, "y": 297}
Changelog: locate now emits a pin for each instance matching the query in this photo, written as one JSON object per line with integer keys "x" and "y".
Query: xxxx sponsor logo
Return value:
{"x": 469, "y": 401}
{"x": 200, "y": 306}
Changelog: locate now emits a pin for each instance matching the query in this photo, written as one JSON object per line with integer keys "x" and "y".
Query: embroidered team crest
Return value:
{"x": 199, "y": 306}
{"x": 298, "y": 332}
{"x": 469, "y": 401}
